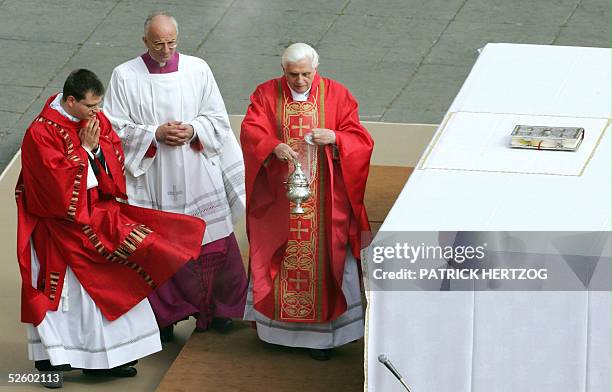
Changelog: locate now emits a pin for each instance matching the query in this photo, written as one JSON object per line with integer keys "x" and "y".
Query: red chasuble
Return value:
{"x": 118, "y": 252}
{"x": 297, "y": 261}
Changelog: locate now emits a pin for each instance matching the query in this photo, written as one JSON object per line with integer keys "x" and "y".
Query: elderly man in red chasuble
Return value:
{"x": 304, "y": 286}
{"x": 87, "y": 260}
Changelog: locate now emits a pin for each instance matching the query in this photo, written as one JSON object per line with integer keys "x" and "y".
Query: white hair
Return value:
{"x": 152, "y": 16}
{"x": 298, "y": 52}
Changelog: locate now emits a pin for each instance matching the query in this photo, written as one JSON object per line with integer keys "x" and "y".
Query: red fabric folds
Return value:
{"x": 196, "y": 145}
{"x": 268, "y": 207}
{"x": 151, "y": 151}
{"x": 118, "y": 252}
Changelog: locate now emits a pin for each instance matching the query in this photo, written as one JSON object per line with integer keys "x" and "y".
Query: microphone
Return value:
{"x": 382, "y": 358}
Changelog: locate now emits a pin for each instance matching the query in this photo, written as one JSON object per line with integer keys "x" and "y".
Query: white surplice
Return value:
{"x": 207, "y": 184}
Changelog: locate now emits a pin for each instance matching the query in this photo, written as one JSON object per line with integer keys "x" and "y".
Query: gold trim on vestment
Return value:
{"x": 279, "y": 108}
{"x": 298, "y": 287}
{"x": 53, "y": 283}
{"x": 120, "y": 160}
{"x": 76, "y": 188}
{"x": 276, "y": 305}
{"x": 128, "y": 246}
{"x": 322, "y": 170}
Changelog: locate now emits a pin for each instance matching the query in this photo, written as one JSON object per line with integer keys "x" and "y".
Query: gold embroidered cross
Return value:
{"x": 300, "y": 126}
{"x": 299, "y": 230}
{"x": 298, "y": 282}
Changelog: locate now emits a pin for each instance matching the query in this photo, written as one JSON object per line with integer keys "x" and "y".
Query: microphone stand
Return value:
{"x": 382, "y": 358}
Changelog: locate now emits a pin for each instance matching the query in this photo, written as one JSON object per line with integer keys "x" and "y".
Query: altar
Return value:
{"x": 469, "y": 179}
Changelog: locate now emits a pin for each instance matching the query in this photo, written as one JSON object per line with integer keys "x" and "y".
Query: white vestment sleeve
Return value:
{"x": 136, "y": 138}
{"x": 215, "y": 133}
{"x": 212, "y": 123}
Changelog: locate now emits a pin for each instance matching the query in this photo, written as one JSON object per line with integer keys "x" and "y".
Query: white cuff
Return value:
{"x": 195, "y": 132}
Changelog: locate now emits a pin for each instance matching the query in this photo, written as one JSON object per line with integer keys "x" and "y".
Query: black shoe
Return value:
{"x": 45, "y": 366}
{"x": 119, "y": 371}
{"x": 320, "y": 354}
{"x": 52, "y": 379}
{"x": 222, "y": 324}
{"x": 166, "y": 334}
{"x": 52, "y": 376}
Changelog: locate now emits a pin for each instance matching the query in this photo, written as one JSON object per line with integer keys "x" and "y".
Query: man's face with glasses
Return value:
{"x": 161, "y": 39}
{"x": 85, "y": 108}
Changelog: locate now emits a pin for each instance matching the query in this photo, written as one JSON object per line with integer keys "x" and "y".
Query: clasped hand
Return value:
{"x": 174, "y": 133}
{"x": 90, "y": 134}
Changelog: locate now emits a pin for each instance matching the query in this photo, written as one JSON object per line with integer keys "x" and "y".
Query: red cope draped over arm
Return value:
{"x": 267, "y": 205}
{"x": 119, "y": 253}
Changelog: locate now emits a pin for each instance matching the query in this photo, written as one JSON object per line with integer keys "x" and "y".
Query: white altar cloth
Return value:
{"x": 505, "y": 341}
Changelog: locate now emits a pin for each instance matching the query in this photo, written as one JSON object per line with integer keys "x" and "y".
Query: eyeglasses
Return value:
{"x": 161, "y": 45}
{"x": 94, "y": 106}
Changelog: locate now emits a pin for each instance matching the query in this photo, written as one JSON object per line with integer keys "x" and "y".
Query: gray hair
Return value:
{"x": 298, "y": 52}
{"x": 150, "y": 18}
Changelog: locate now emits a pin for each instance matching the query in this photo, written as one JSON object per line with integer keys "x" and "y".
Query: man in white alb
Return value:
{"x": 182, "y": 156}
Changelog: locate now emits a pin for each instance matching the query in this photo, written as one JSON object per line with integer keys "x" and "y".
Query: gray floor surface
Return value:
{"x": 404, "y": 60}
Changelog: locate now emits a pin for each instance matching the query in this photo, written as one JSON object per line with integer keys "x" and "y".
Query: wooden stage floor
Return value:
{"x": 239, "y": 361}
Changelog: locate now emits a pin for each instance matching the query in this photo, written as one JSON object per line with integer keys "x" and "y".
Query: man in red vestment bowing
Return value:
{"x": 88, "y": 261}
{"x": 304, "y": 288}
